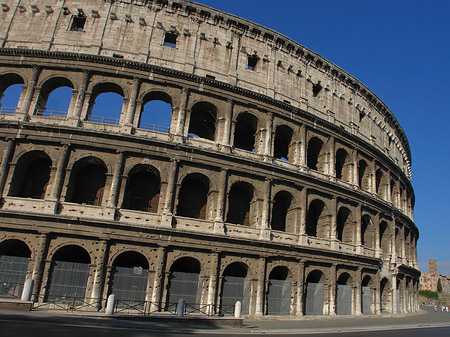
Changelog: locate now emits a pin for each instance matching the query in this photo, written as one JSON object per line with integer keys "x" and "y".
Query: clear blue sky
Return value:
{"x": 401, "y": 51}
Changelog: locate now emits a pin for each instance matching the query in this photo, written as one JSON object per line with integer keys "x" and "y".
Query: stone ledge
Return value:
{"x": 15, "y": 305}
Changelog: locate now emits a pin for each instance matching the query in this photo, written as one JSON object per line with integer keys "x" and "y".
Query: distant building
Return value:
{"x": 429, "y": 281}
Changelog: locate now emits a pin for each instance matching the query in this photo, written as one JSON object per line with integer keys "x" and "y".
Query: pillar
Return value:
{"x": 182, "y": 112}
{"x": 4, "y": 166}
{"x": 265, "y": 218}
{"x": 158, "y": 280}
{"x": 395, "y": 305}
{"x": 332, "y": 310}
{"x": 212, "y": 283}
{"x": 260, "y": 289}
{"x": 30, "y": 90}
{"x": 115, "y": 183}
{"x": 39, "y": 264}
{"x": 132, "y": 103}
{"x": 358, "y": 292}
{"x": 359, "y": 247}
{"x": 226, "y": 141}
{"x": 81, "y": 95}
{"x": 355, "y": 167}
{"x": 373, "y": 182}
{"x": 220, "y": 208}
{"x": 332, "y": 163}
{"x": 268, "y": 149}
{"x": 303, "y": 215}
{"x": 333, "y": 224}
{"x": 170, "y": 193}
{"x": 300, "y": 287}
{"x": 96, "y": 295}
{"x": 302, "y": 162}
{"x": 60, "y": 170}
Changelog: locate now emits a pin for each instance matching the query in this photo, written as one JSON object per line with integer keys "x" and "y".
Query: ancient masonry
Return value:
{"x": 281, "y": 181}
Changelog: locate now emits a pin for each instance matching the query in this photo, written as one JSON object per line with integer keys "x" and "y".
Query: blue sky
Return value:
{"x": 401, "y": 51}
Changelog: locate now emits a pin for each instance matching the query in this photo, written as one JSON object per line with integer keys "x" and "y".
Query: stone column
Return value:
{"x": 182, "y": 112}
{"x": 213, "y": 283}
{"x": 402, "y": 237}
{"x": 373, "y": 183}
{"x": 260, "y": 289}
{"x": 355, "y": 166}
{"x": 226, "y": 142}
{"x": 99, "y": 275}
{"x": 332, "y": 286}
{"x": 377, "y": 296}
{"x": 39, "y": 263}
{"x": 60, "y": 170}
{"x": 81, "y": 96}
{"x": 332, "y": 163}
{"x": 300, "y": 287}
{"x": 170, "y": 194}
{"x": 158, "y": 280}
{"x": 303, "y": 214}
{"x": 388, "y": 188}
{"x": 268, "y": 151}
{"x": 30, "y": 90}
{"x": 302, "y": 162}
{"x": 395, "y": 305}
{"x": 4, "y": 166}
{"x": 265, "y": 218}
{"x": 358, "y": 292}
{"x": 220, "y": 208}
{"x": 115, "y": 183}
{"x": 359, "y": 247}
{"x": 132, "y": 103}
{"x": 333, "y": 229}
{"x": 377, "y": 235}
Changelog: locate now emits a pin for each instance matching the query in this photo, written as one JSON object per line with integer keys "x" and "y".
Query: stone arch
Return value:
{"x": 236, "y": 286}
{"x": 279, "y": 291}
{"x": 14, "y": 261}
{"x": 203, "y": 120}
{"x": 54, "y": 89}
{"x": 282, "y": 145}
{"x": 193, "y": 196}
{"x": 367, "y": 232}
{"x": 245, "y": 132}
{"x": 315, "y": 155}
{"x": 343, "y": 165}
{"x": 317, "y": 219}
{"x": 314, "y": 294}
{"x": 363, "y": 175}
{"x": 107, "y": 91}
{"x": 344, "y": 294}
{"x": 142, "y": 189}
{"x": 386, "y": 296}
{"x": 156, "y": 111}
{"x": 367, "y": 295}
{"x": 69, "y": 274}
{"x": 184, "y": 282}
{"x": 282, "y": 203}
{"x": 240, "y": 197}
{"x": 11, "y": 85}
{"x": 87, "y": 181}
{"x": 385, "y": 242}
{"x": 129, "y": 278}
{"x": 345, "y": 226}
{"x": 31, "y": 175}
{"x": 380, "y": 188}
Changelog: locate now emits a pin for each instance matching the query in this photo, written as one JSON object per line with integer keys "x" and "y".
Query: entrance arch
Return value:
{"x": 279, "y": 292}
{"x": 235, "y": 287}
{"x": 344, "y": 296}
{"x": 14, "y": 258}
{"x": 314, "y": 293}
{"x": 184, "y": 282}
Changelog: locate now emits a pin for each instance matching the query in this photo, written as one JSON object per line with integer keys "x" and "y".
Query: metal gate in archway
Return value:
{"x": 13, "y": 271}
{"x": 235, "y": 289}
{"x": 183, "y": 285}
{"x": 130, "y": 284}
{"x": 344, "y": 299}
{"x": 314, "y": 299}
{"x": 366, "y": 298}
{"x": 279, "y": 297}
{"x": 69, "y": 279}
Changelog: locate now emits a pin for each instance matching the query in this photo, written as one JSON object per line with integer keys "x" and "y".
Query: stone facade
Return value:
{"x": 279, "y": 171}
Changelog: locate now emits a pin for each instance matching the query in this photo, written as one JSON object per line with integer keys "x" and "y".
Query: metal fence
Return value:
{"x": 67, "y": 303}
{"x": 6, "y": 110}
{"x": 13, "y": 270}
{"x": 51, "y": 113}
{"x": 104, "y": 120}
{"x": 154, "y": 127}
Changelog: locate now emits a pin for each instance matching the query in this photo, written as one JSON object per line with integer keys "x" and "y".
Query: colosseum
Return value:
{"x": 231, "y": 164}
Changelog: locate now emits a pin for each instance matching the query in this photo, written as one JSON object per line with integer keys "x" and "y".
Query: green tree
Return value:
{"x": 439, "y": 286}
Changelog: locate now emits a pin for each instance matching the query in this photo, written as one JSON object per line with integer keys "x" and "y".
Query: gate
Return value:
{"x": 13, "y": 270}
{"x": 397, "y": 295}
{"x": 314, "y": 299}
{"x": 279, "y": 297}
{"x": 130, "y": 284}
{"x": 407, "y": 300}
{"x": 235, "y": 289}
{"x": 344, "y": 299}
{"x": 69, "y": 279}
{"x": 183, "y": 285}
{"x": 366, "y": 298}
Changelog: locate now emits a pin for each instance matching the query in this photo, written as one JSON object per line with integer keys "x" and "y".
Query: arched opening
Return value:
{"x": 235, "y": 287}
{"x": 279, "y": 292}
{"x": 105, "y": 105}
{"x": 385, "y": 294}
{"x": 384, "y": 239}
{"x": 142, "y": 189}
{"x": 184, "y": 282}
{"x": 363, "y": 175}
{"x": 70, "y": 274}
{"x": 87, "y": 182}
{"x": 398, "y": 242}
{"x": 14, "y": 258}
{"x": 343, "y": 165}
{"x": 281, "y": 205}
{"x": 393, "y": 195}
{"x": 315, "y": 156}
{"x": 245, "y": 132}
{"x": 156, "y": 112}
{"x": 282, "y": 143}
{"x": 10, "y": 92}
{"x": 193, "y": 197}
{"x": 366, "y": 296}
{"x": 367, "y": 232}
{"x": 31, "y": 176}
{"x": 344, "y": 296}
{"x": 203, "y": 120}
{"x": 129, "y": 279}
{"x": 239, "y": 198}
{"x": 378, "y": 183}
{"x": 345, "y": 229}
{"x": 314, "y": 293}
{"x": 317, "y": 220}
{"x": 54, "y": 98}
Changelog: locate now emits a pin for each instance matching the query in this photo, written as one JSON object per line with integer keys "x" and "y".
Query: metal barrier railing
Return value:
{"x": 11, "y": 290}
{"x": 68, "y": 303}
{"x": 51, "y": 113}
{"x": 154, "y": 127}
{"x": 104, "y": 120}
{"x": 6, "y": 110}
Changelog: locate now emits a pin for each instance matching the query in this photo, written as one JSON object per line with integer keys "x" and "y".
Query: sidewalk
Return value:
{"x": 267, "y": 325}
